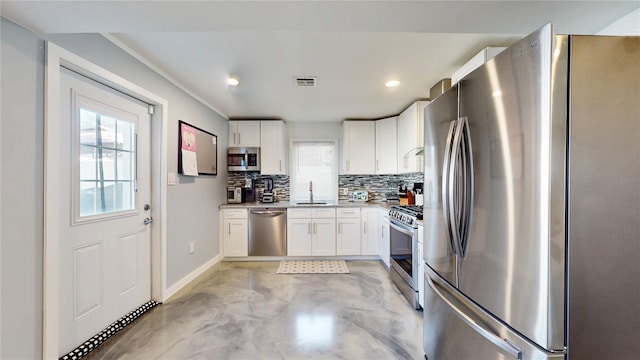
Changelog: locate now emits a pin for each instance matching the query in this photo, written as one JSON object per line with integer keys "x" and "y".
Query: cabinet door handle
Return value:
{"x": 280, "y": 165}
{"x": 309, "y": 227}
{"x": 234, "y": 138}
{"x": 365, "y": 228}
{"x": 315, "y": 228}
{"x": 348, "y": 165}
{"x": 229, "y": 228}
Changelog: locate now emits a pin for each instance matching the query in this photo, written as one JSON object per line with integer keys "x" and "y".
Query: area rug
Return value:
{"x": 313, "y": 267}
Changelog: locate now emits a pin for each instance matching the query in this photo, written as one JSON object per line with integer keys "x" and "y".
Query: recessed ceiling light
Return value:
{"x": 392, "y": 83}
{"x": 233, "y": 81}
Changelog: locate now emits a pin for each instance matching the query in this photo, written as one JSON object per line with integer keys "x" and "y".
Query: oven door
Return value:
{"x": 404, "y": 241}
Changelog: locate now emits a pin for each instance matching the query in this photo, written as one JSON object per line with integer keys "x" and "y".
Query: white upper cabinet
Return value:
{"x": 358, "y": 147}
{"x": 387, "y": 146}
{"x": 410, "y": 138}
{"x": 244, "y": 133}
{"x": 272, "y": 150}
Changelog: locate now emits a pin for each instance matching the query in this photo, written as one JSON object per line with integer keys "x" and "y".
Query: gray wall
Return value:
{"x": 192, "y": 205}
{"x": 22, "y": 99}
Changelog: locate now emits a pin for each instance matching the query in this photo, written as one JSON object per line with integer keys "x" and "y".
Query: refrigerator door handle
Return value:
{"x": 469, "y": 185}
{"x": 446, "y": 164}
{"x": 443, "y": 291}
{"x": 455, "y": 214}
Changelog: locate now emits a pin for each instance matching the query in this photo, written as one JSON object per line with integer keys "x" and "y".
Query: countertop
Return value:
{"x": 288, "y": 204}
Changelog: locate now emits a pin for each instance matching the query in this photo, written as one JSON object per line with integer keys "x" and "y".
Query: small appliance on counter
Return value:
{"x": 249, "y": 194}
{"x": 268, "y": 194}
{"x": 234, "y": 195}
{"x": 360, "y": 196}
{"x": 249, "y": 191}
{"x": 402, "y": 193}
{"x": 418, "y": 193}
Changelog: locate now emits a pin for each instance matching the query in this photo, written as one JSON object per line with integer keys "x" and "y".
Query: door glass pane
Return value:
{"x": 124, "y": 163}
{"x": 88, "y": 162}
{"x": 124, "y": 135}
{"x": 87, "y": 127}
{"x": 123, "y": 195}
{"x": 88, "y": 191}
{"x": 107, "y": 196}
{"x": 107, "y": 131}
{"x": 106, "y": 164}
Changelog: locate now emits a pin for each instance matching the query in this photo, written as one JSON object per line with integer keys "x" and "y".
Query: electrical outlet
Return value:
{"x": 344, "y": 191}
{"x": 192, "y": 247}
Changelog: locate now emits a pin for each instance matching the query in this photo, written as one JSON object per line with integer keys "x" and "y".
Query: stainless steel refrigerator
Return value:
{"x": 532, "y": 204}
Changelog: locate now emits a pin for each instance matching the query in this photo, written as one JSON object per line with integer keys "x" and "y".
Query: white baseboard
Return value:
{"x": 192, "y": 276}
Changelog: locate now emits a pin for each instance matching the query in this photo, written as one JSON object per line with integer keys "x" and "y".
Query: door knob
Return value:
{"x": 147, "y": 206}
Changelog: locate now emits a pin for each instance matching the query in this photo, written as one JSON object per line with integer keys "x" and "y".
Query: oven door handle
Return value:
{"x": 402, "y": 229}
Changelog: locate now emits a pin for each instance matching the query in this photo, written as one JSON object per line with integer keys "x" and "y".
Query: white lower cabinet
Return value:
{"x": 311, "y": 232}
{"x": 298, "y": 237}
{"x": 235, "y": 230}
{"x": 384, "y": 250}
{"x": 348, "y": 228}
{"x": 421, "y": 265}
{"x": 369, "y": 244}
{"x": 323, "y": 242}
{"x": 345, "y": 231}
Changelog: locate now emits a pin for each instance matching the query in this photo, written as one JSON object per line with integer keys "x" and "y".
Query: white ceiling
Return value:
{"x": 353, "y": 47}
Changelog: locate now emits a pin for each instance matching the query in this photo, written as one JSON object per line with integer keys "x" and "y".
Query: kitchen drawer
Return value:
{"x": 298, "y": 213}
{"x": 348, "y": 212}
{"x": 323, "y": 213}
{"x": 235, "y": 213}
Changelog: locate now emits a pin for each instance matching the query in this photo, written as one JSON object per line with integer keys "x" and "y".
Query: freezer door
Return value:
{"x": 456, "y": 328}
{"x": 511, "y": 253}
{"x": 440, "y": 117}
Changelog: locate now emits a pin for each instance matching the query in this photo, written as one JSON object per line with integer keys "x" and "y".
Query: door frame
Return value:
{"x": 56, "y": 57}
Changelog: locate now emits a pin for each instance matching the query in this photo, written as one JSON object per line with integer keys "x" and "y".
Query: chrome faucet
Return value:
{"x": 311, "y": 191}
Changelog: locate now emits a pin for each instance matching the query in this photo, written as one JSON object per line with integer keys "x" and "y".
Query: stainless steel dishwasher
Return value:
{"x": 267, "y": 232}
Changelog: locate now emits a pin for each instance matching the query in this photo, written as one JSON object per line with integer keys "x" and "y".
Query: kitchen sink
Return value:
{"x": 311, "y": 203}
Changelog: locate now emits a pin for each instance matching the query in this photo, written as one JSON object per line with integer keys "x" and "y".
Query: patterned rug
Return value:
{"x": 313, "y": 267}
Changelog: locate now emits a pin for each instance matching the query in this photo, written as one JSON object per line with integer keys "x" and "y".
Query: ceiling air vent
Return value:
{"x": 306, "y": 81}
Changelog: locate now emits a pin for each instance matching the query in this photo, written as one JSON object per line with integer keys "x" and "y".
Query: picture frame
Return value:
{"x": 197, "y": 150}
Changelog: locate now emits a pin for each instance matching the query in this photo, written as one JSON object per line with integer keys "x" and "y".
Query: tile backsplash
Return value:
{"x": 377, "y": 185}
{"x": 280, "y": 183}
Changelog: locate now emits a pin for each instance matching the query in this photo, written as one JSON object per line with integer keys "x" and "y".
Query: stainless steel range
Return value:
{"x": 404, "y": 250}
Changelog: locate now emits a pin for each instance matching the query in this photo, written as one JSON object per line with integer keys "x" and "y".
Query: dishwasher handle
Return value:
{"x": 276, "y": 212}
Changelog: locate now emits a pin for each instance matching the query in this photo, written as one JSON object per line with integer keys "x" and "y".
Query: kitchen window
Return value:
{"x": 314, "y": 161}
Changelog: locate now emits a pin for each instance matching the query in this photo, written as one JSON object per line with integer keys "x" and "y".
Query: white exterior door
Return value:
{"x": 105, "y": 266}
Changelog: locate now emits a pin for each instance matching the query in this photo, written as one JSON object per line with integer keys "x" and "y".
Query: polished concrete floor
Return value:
{"x": 244, "y": 310}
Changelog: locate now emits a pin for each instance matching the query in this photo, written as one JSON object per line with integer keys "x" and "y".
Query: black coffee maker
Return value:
{"x": 249, "y": 191}
{"x": 267, "y": 195}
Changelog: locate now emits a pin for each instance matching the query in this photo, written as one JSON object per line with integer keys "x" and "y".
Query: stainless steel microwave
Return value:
{"x": 243, "y": 159}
